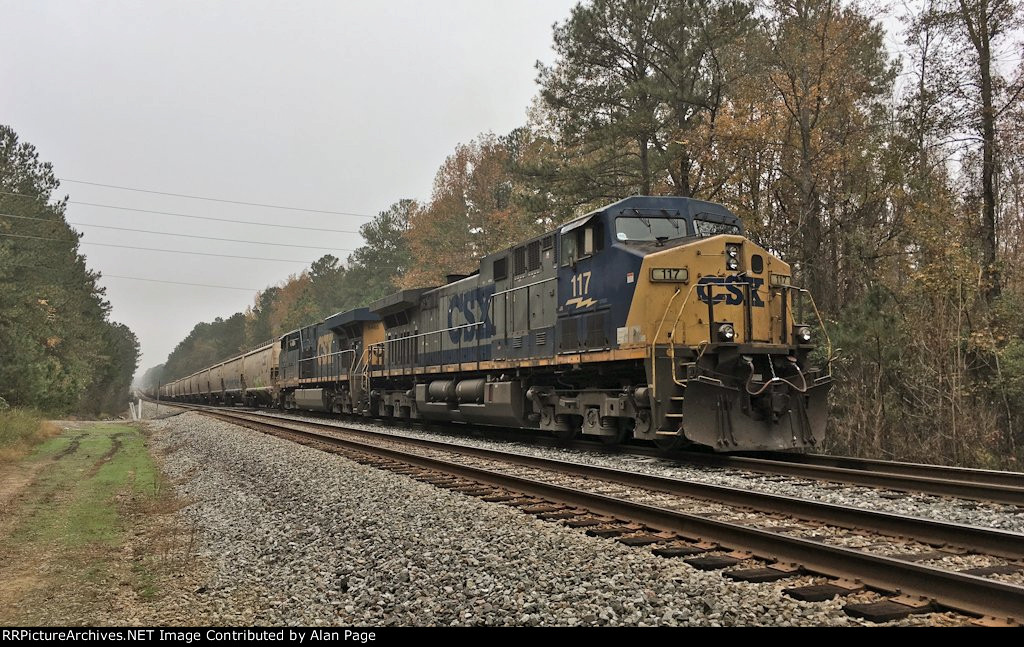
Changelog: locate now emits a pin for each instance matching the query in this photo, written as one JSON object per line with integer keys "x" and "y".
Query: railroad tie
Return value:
{"x": 607, "y": 531}
{"x": 1001, "y": 569}
{"x": 558, "y": 515}
{"x": 769, "y": 573}
{"x": 891, "y": 609}
{"x": 712, "y": 562}
{"x": 644, "y": 538}
{"x": 685, "y": 550}
{"x": 822, "y": 592}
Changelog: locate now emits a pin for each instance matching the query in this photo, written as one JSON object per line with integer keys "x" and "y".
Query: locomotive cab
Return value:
{"x": 722, "y": 333}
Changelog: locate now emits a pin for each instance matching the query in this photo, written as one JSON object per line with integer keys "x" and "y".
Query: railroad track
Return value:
{"x": 755, "y": 547}
{"x": 963, "y": 474}
{"x": 978, "y": 485}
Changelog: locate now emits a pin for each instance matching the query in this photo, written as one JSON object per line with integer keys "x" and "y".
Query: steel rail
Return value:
{"x": 958, "y": 591}
{"x": 1007, "y": 494}
{"x": 990, "y": 477}
{"x": 1001, "y": 543}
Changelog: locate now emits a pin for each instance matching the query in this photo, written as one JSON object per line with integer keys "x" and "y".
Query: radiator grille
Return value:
{"x": 567, "y": 336}
{"x": 596, "y": 337}
{"x": 533, "y": 255}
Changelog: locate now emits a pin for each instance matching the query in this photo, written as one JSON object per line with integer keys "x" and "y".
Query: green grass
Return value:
{"x": 93, "y": 513}
{"x": 76, "y": 499}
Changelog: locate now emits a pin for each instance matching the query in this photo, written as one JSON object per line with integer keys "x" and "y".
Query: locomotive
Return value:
{"x": 653, "y": 318}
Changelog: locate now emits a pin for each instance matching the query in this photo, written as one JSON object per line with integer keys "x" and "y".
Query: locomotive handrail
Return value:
{"x": 675, "y": 324}
{"x": 668, "y": 305}
{"x": 528, "y": 285}
{"x": 654, "y": 342}
{"x": 824, "y": 331}
{"x": 382, "y": 345}
{"x": 356, "y": 362}
{"x": 317, "y": 357}
{"x": 340, "y": 352}
{"x": 429, "y": 332}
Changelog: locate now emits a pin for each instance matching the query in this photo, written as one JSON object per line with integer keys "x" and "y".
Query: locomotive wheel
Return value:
{"x": 670, "y": 443}
{"x": 575, "y": 427}
{"x": 567, "y": 435}
{"x": 616, "y": 439}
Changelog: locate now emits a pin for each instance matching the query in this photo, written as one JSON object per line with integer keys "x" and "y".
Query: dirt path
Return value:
{"x": 90, "y": 533}
{"x": 18, "y": 475}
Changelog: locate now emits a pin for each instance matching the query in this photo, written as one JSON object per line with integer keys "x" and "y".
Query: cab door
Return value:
{"x": 579, "y": 292}
{"x": 307, "y": 365}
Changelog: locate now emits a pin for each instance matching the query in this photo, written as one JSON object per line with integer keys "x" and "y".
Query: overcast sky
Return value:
{"x": 339, "y": 106}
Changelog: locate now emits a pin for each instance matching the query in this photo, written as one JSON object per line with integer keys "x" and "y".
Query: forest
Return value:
{"x": 59, "y": 351}
{"x": 890, "y": 176}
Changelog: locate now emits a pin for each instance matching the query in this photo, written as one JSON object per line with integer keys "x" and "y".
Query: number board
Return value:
{"x": 669, "y": 275}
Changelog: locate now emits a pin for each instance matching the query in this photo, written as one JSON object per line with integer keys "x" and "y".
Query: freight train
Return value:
{"x": 653, "y": 318}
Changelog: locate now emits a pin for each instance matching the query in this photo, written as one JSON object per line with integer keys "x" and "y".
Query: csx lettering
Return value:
{"x": 732, "y": 293}
{"x": 474, "y": 305}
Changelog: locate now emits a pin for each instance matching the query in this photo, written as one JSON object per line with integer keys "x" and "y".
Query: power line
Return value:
{"x": 154, "y": 249}
{"x": 226, "y": 240}
{"x": 139, "y": 278}
{"x": 185, "y": 215}
{"x": 240, "y": 222}
{"x": 198, "y": 285}
{"x": 199, "y": 197}
{"x": 167, "y": 233}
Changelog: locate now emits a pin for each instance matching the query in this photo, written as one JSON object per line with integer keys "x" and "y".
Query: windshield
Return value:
{"x": 643, "y": 229}
{"x": 707, "y": 229}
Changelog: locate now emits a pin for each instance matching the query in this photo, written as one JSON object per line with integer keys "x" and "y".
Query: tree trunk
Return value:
{"x": 645, "y": 166}
{"x": 978, "y": 23}
{"x": 988, "y": 172}
{"x": 683, "y": 188}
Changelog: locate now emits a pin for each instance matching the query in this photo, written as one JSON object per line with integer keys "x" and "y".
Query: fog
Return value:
{"x": 329, "y": 106}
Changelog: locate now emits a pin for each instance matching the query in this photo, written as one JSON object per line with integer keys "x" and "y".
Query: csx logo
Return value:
{"x": 474, "y": 306}
{"x": 732, "y": 293}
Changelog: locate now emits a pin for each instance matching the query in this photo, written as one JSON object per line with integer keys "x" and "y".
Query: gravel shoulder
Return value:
{"x": 291, "y": 535}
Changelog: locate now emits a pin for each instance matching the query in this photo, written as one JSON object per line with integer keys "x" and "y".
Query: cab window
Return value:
{"x": 569, "y": 254}
{"x": 707, "y": 228}
{"x": 649, "y": 229}
{"x": 582, "y": 242}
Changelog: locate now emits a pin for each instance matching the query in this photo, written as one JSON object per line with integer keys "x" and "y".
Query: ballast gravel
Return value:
{"x": 291, "y": 535}
{"x": 964, "y": 511}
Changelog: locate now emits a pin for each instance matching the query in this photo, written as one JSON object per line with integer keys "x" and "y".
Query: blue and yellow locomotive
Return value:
{"x": 653, "y": 318}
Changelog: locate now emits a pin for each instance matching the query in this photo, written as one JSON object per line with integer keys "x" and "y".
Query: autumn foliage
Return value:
{"x": 894, "y": 183}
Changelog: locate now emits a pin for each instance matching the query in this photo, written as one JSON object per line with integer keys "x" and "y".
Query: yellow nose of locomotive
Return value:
{"x": 718, "y": 290}
{"x": 726, "y": 363}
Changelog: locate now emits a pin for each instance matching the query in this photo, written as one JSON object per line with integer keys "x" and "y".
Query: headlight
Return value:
{"x": 732, "y": 257}
{"x": 726, "y": 333}
{"x": 803, "y": 334}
